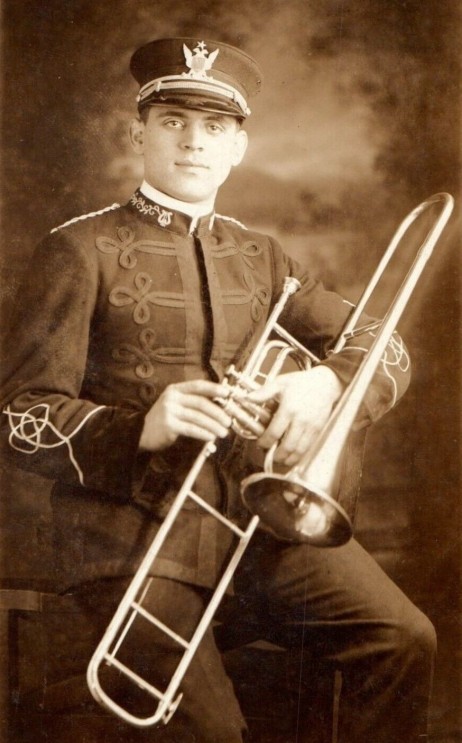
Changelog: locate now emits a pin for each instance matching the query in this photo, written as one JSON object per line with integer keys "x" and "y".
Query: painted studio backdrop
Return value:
{"x": 357, "y": 123}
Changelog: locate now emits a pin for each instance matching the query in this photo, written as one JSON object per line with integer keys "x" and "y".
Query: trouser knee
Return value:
{"x": 414, "y": 638}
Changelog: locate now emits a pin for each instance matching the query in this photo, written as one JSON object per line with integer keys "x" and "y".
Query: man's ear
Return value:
{"x": 240, "y": 146}
{"x": 137, "y": 135}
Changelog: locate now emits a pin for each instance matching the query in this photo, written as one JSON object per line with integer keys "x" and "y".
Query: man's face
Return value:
{"x": 188, "y": 154}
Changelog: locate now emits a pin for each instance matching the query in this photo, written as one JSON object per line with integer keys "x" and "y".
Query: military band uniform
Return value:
{"x": 117, "y": 306}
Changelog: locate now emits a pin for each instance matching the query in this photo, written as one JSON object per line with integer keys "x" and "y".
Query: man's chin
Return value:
{"x": 192, "y": 196}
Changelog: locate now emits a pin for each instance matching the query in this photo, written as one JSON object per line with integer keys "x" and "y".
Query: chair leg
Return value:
{"x": 4, "y": 675}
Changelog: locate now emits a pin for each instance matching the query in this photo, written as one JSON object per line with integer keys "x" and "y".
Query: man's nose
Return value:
{"x": 193, "y": 138}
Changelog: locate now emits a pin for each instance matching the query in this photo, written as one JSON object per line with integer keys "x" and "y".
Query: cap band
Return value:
{"x": 186, "y": 72}
{"x": 210, "y": 85}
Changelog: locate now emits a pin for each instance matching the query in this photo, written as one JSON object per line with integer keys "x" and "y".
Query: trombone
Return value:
{"x": 299, "y": 505}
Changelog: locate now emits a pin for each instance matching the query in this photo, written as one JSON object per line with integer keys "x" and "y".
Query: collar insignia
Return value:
{"x": 199, "y": 61}
{"x": 164, "y": 217}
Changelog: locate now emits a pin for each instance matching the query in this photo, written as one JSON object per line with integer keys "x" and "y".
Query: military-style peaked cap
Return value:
{"x": 204, "y": 75}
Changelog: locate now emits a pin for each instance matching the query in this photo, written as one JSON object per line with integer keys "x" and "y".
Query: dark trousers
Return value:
{"x": 335, "y": 606}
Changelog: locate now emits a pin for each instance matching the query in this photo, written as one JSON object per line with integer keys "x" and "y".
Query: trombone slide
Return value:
{"x": 299, "y": 505}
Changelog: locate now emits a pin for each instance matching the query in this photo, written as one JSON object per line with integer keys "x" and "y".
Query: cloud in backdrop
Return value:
{"x": 348, "y": 132}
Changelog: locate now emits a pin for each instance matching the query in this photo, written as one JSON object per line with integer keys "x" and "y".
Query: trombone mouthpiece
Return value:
{"x": 291, "y": 285}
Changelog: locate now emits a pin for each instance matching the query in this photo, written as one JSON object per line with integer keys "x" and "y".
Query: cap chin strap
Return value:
{"x": 173, "y": 82}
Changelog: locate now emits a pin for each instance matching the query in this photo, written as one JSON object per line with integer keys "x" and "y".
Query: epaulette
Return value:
{"x": 85, "y": 216}
{"x": 230, "y": 219}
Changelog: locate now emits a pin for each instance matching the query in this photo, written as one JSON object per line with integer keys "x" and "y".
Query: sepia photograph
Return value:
{"x": 230, "y": 372}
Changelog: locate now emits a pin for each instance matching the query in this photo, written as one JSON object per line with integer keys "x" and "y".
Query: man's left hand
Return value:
{"x": 305, "y": 401}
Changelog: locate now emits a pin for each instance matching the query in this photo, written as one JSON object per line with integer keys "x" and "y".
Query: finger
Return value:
{"x": 199, "y": 420}
{"x": 193, "y": 431}
{"x": 276, "y": 429}
{"x": 270, "y": 391}
{"x": 202, "y": 387}
{"x": 205, "y": 407}
{"x": 291, "y": 450}
{"x": 300, "y": 433}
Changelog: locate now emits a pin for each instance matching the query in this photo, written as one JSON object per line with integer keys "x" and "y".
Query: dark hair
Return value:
{"x": 144, "y": 114}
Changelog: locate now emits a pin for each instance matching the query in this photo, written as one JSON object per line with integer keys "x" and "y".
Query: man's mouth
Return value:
{"x": 191, "y": 164}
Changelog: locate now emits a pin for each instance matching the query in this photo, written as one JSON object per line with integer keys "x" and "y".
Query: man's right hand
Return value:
{"x": 185, "y": 409}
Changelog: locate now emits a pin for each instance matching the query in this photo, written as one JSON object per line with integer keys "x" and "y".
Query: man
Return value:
{"x": 124, "y": 331}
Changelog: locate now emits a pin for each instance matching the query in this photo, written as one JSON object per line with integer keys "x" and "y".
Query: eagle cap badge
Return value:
{"x": 200, "y": 60}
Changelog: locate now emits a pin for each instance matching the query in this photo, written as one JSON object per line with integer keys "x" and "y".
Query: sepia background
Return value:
{"x": 358, "y": 121}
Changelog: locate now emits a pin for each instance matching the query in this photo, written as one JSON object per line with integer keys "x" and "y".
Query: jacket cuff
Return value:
{"x": 112, "y": 461}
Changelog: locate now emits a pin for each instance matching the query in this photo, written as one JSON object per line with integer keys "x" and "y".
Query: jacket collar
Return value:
{"x": 170, "y": 213}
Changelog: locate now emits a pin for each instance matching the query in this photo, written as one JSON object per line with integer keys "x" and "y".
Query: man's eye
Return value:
{"x": 174, "y": 123}
{"x": 215, "y": 128}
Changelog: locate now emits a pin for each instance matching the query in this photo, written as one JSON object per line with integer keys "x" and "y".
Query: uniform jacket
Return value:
{"x": 117, "y": 305}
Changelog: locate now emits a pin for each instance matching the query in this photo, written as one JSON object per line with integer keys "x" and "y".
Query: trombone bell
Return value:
{"x": 296, "y": 511}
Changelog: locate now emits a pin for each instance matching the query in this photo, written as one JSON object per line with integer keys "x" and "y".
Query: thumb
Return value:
{"x": 269, "y": 391}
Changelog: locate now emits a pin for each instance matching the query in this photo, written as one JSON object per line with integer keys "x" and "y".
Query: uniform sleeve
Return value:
{"x": 316, "y": 318}
{"x": 46, "y": 426}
